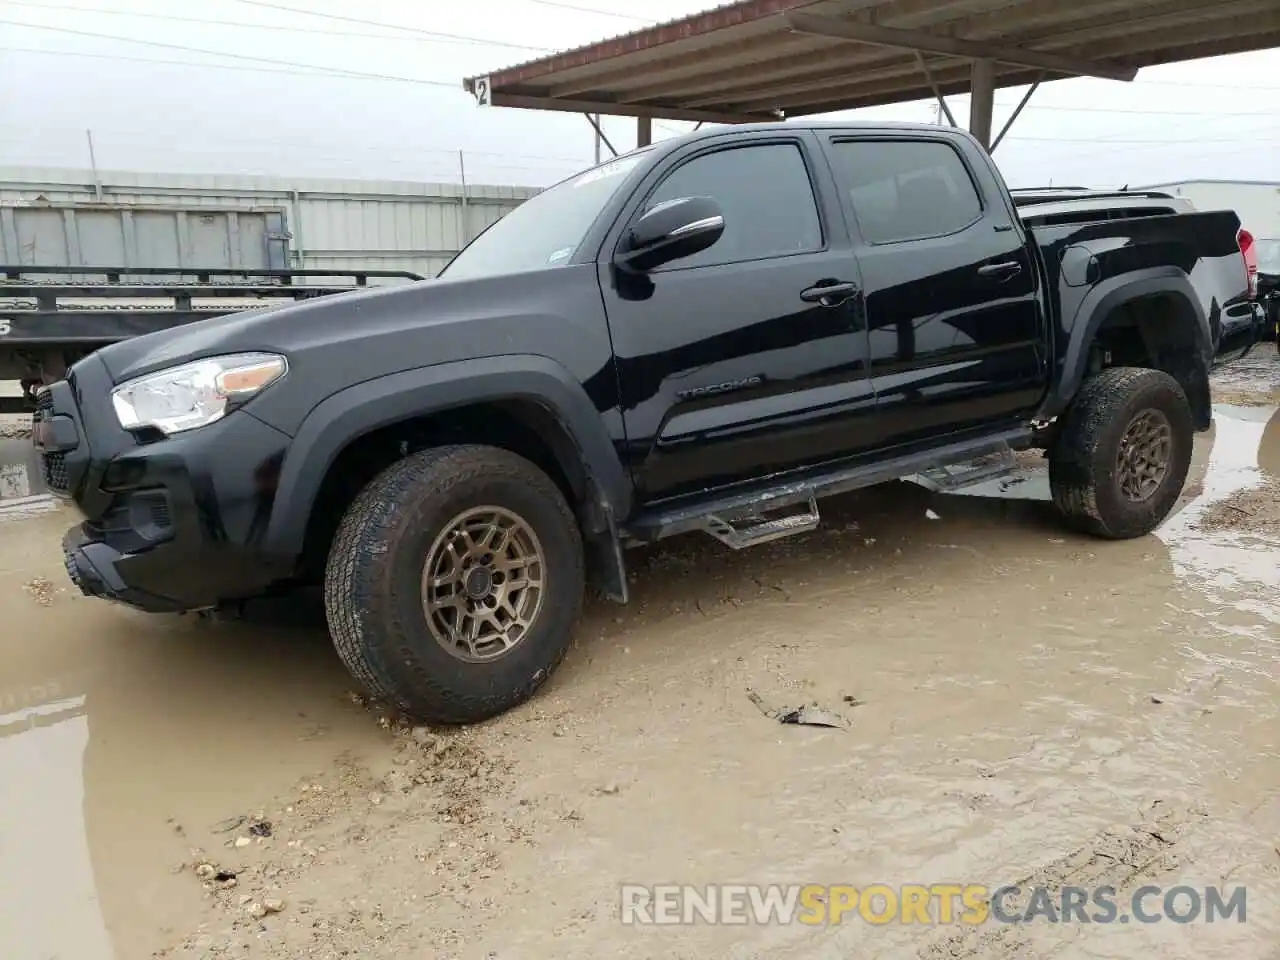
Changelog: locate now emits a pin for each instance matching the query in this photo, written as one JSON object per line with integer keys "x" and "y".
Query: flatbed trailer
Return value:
{"x": 51, "y": 316}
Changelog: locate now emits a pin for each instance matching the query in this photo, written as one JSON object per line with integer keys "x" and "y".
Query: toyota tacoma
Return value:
{"x": 710, "y": 333}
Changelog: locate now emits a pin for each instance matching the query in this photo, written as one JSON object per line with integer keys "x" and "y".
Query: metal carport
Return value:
{"x": 768, "y": 59}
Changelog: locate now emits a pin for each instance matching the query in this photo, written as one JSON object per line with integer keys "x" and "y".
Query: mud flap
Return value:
{"x": 606, "y": 566}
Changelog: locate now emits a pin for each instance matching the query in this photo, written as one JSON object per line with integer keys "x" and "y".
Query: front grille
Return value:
{"x": 52, "y": 465}
{"x": 160, "y": 516}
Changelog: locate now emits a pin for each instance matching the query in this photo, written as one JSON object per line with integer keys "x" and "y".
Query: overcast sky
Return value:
{"x": 260, "y": 113}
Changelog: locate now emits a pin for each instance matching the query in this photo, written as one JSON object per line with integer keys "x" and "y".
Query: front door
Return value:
{"x": 956, "y": 332}
{"x": 729, "y": 367}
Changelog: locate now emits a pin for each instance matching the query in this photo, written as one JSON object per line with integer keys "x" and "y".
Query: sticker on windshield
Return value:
{"x": 564, "y": 253}
{"x": 614, "y": 168}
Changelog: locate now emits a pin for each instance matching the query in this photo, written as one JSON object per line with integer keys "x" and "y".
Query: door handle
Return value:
{"x": 1005, "y": 270}
{"x": 829, "y": 293}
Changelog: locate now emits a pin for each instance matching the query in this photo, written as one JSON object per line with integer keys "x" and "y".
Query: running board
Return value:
{"x": 952, "y": 477}
{"x": 752, "y": 529}
{"x": 736, "y": 516}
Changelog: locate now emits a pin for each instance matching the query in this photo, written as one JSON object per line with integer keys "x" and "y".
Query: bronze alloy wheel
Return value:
{"x": 1145, "y": 452}
{"x": 483, "y": 583}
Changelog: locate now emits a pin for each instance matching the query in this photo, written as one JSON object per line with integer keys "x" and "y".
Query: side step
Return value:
{"x": 738, "y": 515}
{"x": 752, "y": 529}
{"x": 950, "y": 477}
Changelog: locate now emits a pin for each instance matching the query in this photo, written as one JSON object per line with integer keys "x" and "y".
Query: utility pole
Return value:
{"x": 597, "y": 138}
{"x": 93, "y": 165}
{"x": 465, "y": 228}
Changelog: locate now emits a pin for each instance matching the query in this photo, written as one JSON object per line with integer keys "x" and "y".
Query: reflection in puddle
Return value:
{"x": 1238, "y": 567}
{"x": 124, "y": 737}
{"x": 47, "y": 885}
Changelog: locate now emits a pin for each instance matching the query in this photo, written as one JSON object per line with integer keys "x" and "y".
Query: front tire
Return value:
{"x": 454, "y": 583}
{"x": 1122, "y": 453}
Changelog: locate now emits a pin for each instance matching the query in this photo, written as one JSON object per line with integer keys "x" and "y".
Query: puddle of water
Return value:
{"x": 1021, "y": 689}
{"x": 124, "y": 738}
{"x": 1234, "y": 567}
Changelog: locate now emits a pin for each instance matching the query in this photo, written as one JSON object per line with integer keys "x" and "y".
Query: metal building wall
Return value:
{"x": 1257, "y": 203}
{"x": 136, "y": 219}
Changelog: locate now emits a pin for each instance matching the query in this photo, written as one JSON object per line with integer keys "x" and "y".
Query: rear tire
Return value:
{"x": 1122, "y": 453}
{"x": 432, "y": 599}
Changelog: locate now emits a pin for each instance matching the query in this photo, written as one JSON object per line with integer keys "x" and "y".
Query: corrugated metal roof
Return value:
{"x": 758, "y": 59}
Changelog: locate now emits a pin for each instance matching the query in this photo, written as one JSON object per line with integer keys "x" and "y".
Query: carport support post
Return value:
{"x": 982, "y": 98}
{"x": 644, "y": 131}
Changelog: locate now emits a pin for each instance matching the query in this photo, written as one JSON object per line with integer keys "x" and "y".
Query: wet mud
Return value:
{"x": 1020, "y": 705}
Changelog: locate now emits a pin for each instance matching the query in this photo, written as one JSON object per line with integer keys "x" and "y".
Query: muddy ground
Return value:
{"x": 1022, "y": 704}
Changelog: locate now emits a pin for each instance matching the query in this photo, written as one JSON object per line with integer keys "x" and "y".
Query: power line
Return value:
{"x": 337, "y": 71}
{"x": 1139, "y": 111}
{"x": 420, "y": 36}
{"x": 580, "y": 9}
{"x": 384, "y": 149}
{"x": 1201, "y": 86}
{"x": 1250, "y": 139}
{"x": 319, "y": 72}
{"x": 386, "y": 26}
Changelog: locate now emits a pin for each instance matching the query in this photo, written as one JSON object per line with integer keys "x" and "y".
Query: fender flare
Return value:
{"x": 1094, "y": 309}
{"x": 360, "y": 409}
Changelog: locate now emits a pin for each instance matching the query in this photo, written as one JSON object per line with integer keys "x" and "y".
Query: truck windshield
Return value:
{"x": 546, "y": 229}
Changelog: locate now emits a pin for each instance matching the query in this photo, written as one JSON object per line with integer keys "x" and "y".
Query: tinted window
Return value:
{"x": 764, "y": 191}
{"x": 906, "y": 190}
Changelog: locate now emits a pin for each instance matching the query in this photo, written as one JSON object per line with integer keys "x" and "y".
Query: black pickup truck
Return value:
{"x": 709, "y": 334}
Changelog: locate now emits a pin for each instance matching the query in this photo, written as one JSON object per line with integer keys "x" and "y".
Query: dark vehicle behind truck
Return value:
{"x": 708, "y": 334}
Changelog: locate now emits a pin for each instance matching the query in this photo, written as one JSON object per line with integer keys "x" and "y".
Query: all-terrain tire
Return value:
{"x": 373, "y": 583}
{"x": 1084, "y": 460}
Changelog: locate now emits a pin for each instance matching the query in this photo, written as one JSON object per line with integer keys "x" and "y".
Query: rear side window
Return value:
{"x": 765, "y": 194}
{"x": 906, "y": 190}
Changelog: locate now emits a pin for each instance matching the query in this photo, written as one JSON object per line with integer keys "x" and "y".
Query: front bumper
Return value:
{"x": 170, "y": 523}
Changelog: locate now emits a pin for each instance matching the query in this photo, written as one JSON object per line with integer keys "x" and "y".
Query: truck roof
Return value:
{"x": 790, "y": 126}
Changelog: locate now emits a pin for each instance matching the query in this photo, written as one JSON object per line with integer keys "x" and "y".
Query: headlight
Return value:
{"x": 194, "y": 394}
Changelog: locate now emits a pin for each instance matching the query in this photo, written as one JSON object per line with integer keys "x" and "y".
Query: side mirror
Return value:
{"x": 670, "y": 231}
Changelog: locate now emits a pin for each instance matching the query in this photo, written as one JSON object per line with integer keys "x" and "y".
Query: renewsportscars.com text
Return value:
{"x": 932, "y": 904}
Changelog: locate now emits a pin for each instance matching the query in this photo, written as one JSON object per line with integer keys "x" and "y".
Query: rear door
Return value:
{"x": 728, "y": 366}
{"x": 956, "y": 334}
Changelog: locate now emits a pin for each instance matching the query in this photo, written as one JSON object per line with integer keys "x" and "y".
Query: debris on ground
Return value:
{"x": 806, "y": 715}
{"x": 231, "y": 823}
{"x": 15, "y": 427}
{"x": 1256, "y": 510}
{"x": 42, "y": 590}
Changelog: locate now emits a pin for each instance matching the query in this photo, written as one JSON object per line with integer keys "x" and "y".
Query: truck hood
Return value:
{"x": 351, "y": 337}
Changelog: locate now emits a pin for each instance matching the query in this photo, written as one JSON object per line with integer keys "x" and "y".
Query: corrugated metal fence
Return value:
{"x": 54, "y": 216}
